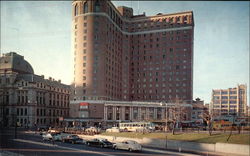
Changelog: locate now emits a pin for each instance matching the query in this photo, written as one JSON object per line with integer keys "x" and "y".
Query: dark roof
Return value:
{"x": 37, "y": 78}
{"x": 14, "y": 62}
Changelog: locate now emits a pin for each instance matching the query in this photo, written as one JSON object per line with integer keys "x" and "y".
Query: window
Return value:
{"x": 85, "y": 7}
{"x": 76, "y": 10}
{"x": 97, "y": 6}
{"x": 171, "y": 49}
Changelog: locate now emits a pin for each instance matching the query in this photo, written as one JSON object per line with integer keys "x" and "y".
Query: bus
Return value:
{"x": 137, "y": 126}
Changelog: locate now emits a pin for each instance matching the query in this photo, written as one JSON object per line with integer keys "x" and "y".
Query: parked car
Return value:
{"x": 128, "y": 145}
{"x": 113, "y": 129}
{"x": 74, "y": 139}
{"x": 99, "y": 142}
{"x": 53, "y": 131}
{"x": 47, "y": 137}
{"x": 92, "y": 130}
{"x": 60, "y": 136}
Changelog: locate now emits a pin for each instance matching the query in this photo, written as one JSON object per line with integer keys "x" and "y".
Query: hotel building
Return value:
{"x": 229, "y": 101}
{"x": 126, "y": 57}
{"x": 27, "y": 99}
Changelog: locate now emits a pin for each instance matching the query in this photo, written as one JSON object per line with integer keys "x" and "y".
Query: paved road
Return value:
{"x": 32, "y": 145}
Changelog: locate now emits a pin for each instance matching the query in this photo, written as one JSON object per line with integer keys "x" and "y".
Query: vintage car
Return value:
{"x": 113, "y": 129}
{"x": 99, "y": 142}
{"x": 47, "y": 137}
{"x": 128, "y": 145}
{"x": 74, "y": 139}
{"x": 60, "y": 136}
{"x": 92, "y": 130}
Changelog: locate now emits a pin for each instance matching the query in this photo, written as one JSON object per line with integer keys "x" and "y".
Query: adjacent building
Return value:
{"x": 199, "y": 111}
{"x": 125, "y": 57}
{"x": 231, "y": 101}
{"x": 27, "y": 99}
{"x": 110, "y": 113}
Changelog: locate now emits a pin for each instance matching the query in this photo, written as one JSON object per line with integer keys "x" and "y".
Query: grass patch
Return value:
{"x": 194, "y": 137}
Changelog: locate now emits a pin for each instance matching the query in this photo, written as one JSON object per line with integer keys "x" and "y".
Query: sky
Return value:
{"x": 41, "y": 32}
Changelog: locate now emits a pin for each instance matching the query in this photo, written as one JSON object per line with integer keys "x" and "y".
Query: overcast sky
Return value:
{"x": 41, "y": 32}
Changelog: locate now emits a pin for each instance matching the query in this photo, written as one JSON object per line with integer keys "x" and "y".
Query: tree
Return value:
{"x": 208, "y": 118}
{"x": 233, "y": 124}
{"x": 177, "y": 113}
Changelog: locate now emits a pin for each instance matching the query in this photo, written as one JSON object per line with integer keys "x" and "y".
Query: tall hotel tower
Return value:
{"x": 126, "y": 57}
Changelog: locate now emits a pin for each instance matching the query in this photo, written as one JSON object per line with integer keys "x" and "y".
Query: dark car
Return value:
{"x": 99, "y": 142}
{"x": 74, "y": 139}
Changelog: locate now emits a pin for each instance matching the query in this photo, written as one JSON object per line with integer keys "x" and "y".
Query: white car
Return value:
{"x": 47, "y": 136}
{"x": 60, "y": 136}
{"x": 92, "y": 129}
{"x": 113, "y": 129}
{"x": 128, "y": 145}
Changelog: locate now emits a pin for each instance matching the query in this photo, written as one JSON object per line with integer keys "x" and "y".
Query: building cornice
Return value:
{"x": 134, "y": 33}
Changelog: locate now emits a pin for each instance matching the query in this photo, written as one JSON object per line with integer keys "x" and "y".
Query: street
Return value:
{"x": 33, "y": 145}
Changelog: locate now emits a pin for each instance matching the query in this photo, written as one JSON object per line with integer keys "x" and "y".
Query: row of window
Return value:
{"x": 224, "y": 97}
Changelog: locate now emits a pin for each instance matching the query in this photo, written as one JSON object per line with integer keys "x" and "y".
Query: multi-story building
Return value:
{"x": 28, "y": 99}
{"x": 126, "y": 57}
{"x": 198, "y": 112}
{"x": 231, "y": 101}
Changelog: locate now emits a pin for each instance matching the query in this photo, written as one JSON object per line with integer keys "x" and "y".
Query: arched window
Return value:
{"x": 97, "y": 6}
{"x": 85, "y": 7}
{"x": 76, "y": 10}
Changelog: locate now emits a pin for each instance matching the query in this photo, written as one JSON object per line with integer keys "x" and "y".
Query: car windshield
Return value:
{"x": 102, "y": 139}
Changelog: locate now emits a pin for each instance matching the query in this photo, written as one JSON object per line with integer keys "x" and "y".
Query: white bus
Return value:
{"x": 137, "y": 126}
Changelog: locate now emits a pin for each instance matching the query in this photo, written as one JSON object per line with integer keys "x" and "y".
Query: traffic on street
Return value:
{"x": 30, "y": 143}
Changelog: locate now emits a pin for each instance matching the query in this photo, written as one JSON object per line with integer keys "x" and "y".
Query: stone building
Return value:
{"x": 110, "y": 113}
{"x": 27, "y": 99}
